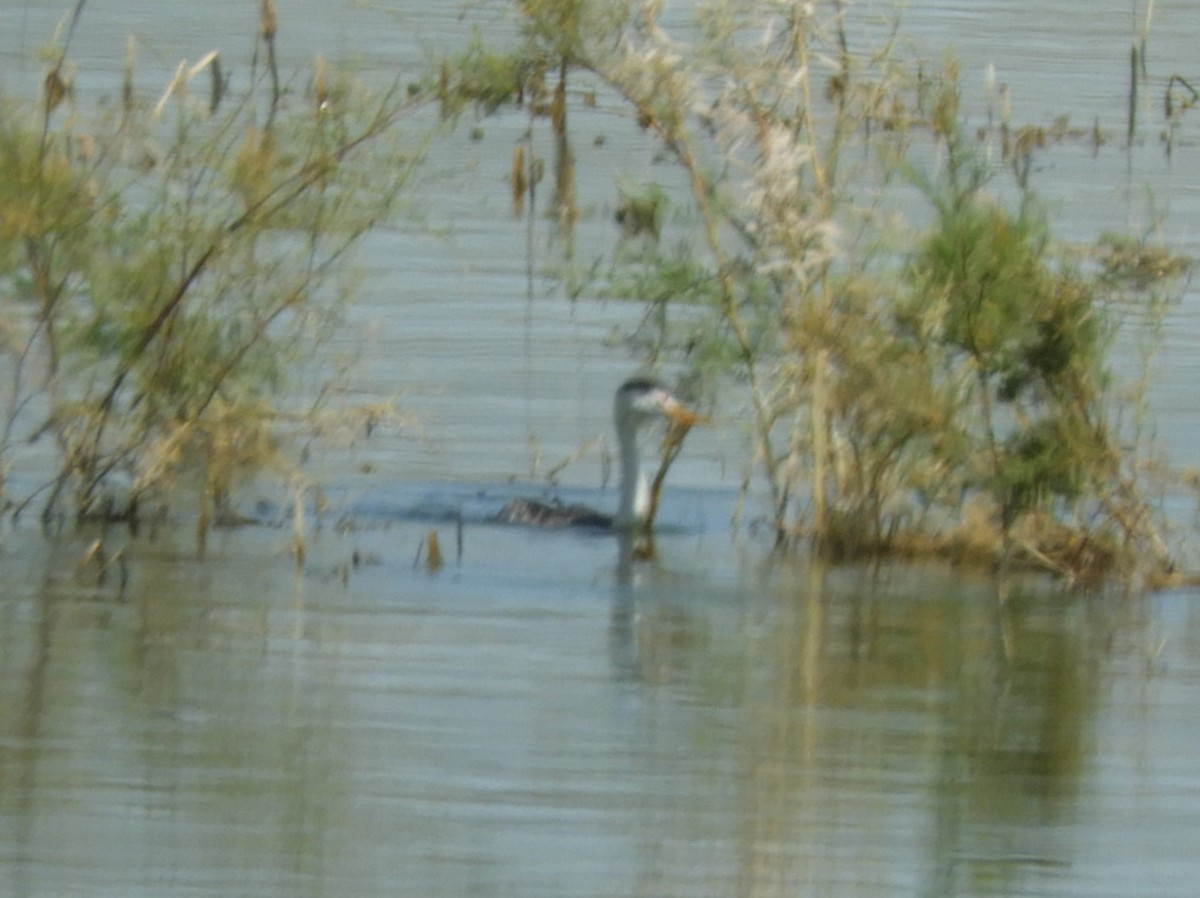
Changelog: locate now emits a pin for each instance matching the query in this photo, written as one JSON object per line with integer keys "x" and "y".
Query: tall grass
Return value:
{"x": 943, "y": 390}
{"x": 165, "y": 263}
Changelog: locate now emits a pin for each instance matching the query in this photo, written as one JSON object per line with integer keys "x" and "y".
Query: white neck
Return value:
{"x": 635, "y": 491}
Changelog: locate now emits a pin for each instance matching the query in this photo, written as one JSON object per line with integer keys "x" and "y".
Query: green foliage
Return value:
{"x": 641, "y": 211}
{"x": 1132, "y": 262}
{"x": 483, "y": 78}
{"x": 916, "y": 391}
{"x": 1020, "y": 323}
{"x": 1032, "y": 338}
{"x": 162, "y": 269}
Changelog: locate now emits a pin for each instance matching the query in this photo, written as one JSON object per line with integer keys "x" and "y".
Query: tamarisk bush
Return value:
{"x": 940, "y": 389}
{"x": 163, "y": 264}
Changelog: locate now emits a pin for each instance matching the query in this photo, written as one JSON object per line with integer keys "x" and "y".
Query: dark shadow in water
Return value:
{"x": 654, "y": 624}
{"x": 621, "y": 636}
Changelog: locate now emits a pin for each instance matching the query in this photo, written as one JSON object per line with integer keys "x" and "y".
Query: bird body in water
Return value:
{"x": 638, "y": 402}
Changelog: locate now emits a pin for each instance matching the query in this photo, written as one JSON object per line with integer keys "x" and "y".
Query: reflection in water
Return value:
{"x": 644, "y": 638}
{"x": 624, "y": 728}
{"x": 863, "y": 726}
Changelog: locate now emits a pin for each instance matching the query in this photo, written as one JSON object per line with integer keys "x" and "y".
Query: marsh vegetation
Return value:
{"x": 833, "y": 242}
{"x": 164, "y": 265}
{"x": 934, "y": 389}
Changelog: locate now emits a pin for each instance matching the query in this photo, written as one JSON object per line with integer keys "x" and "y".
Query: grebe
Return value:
{"x": 638, "y": 401}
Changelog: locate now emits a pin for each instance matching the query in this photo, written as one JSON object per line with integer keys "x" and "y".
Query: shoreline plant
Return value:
{"x": 935, "y": 390}
{"x": 165, "y": 264}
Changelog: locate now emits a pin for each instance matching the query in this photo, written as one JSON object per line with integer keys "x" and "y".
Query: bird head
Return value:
{"x": 641, "y": 399}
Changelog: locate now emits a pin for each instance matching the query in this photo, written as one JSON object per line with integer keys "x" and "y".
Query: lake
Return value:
{"x": 539, "y": 716}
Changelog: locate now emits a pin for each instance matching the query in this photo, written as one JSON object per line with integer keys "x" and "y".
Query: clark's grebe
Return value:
{"x": 638, "y": 401}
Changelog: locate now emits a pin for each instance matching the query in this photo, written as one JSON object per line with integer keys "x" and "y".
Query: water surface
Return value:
{"x": 540, "y": 717}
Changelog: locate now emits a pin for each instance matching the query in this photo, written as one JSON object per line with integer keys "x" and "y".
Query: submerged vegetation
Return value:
{"x": 161, "y": 269}
{"x": 938, "y": 390}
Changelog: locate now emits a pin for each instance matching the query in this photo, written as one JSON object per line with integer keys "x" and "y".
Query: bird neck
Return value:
{"x": 635, "y": 491}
